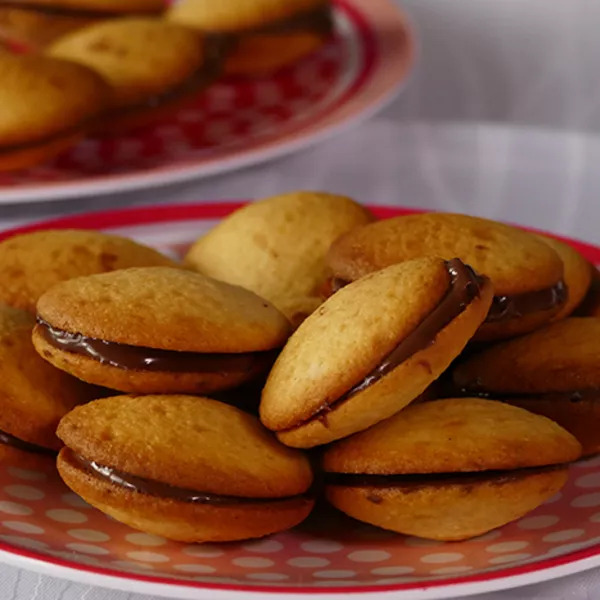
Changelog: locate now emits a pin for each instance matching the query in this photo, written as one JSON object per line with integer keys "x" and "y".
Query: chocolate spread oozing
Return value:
{"x": 139, "y": 358}
{"x": 465, "y": 286}
{"x": 11, "y": 440}
{"x": 164, "y": 490}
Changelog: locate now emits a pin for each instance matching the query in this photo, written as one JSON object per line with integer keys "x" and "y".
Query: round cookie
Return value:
{"x": 32, "y": 263}
{"x": 577, "y": 275}
{"x": 276, "y": 247}
{"x": 34, "y": 396}
{"x": 153, "y": 66}
{"x": 233, "y": 481}
{"x": 553, "y": 372}
{"x": 39, "y": 22}
{"x": 590, "y": 306}
{"x": 48, "y": 105}
{"x": 371, "y": 349}
{"x": 263, "y": 35}
{"x": 449, "y": 469}
{"x": 158, "y": 330}
{"x": 525, "y": 272}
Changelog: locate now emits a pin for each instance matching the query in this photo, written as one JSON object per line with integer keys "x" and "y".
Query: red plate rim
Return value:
{"x": 149, "y": 215}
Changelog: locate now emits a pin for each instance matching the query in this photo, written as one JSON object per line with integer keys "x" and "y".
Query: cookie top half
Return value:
{"x": 561, "y": 357}
{"x": 164, "y": 308}
{"x": 230, "y": 16}
{"x": 188, "y": 442}
{"x": 31, "y": 263}
{"x": 451, "y": 436}
{"x": 42, "y": 97}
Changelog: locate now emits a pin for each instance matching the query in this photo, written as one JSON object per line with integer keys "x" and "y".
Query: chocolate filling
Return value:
{"x": 139, "y": 358}
{"x": 70, "y": 12}
{"x": 11, "y": 440}
{"x": 164, "y": 490}
{"x": 465, "y": 286}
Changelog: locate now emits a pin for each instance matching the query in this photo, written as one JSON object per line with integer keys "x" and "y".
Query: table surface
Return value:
{"x": 530, "y": 63}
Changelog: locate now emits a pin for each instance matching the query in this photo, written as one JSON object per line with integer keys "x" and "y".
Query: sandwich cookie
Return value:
{"x": 47, "y": 105}
{"x": 262, "y": 35}
{"x": 371, "y": 349}
{"x": 449, "y": 469}
{"x": 276, "y": 247}
{"x": 32, "y": 263}
{"x": 158, "y": 330}
{"x": 553, "y": 372}
{"x": 590, "y": 307}
{"x": 34, "y": 396}
{"x": 526, "y": 273}
{"x": 234, "y": 481}
{"x": 153, "y": 66}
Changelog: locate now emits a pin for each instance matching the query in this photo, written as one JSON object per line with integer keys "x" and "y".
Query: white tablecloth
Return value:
{"x": 525, "y": 62}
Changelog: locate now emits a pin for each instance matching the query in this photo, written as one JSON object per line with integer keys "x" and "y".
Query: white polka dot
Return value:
{"x": 145, "y": 539}
{"x": 490, "y": 536}
{"x": 392, "y": 571}
{"x": 507, "y": 547}
{"x": 451, "y": 570}
{"x": 74, "y": 501}
{"x": 24, "y": 542}
{"x": 66, "y": 515}
{"x": 595, "y": 518}
{"x": 586, "y": 500}
{"x": 89, "y": 535}
{"x": 12, "y": 508}
{"x": 507, "y": 558}
{"x": 23, "y": 527}
{"x": 335, "y": 574}
{"x": 24, "y": 492}
{"x": 194, "y": 568}
{"x": 253, "y": 562}
{"x": 416, "y": 542}
{"x": 591, "y": 480}
{"x": 321, "y": 546}
{"x": 308, "y": 562}
{"x": 558, "y": 496}
{"x": 563, "y": 536}
{"x": 268, "y": 576}
{"x": 263, "y": 546}
{"x": 27, "y": 475}
{"x": 131, "y": 566}
{"x": 87, "y": 549}
{"x": 203, "y": 551}
{"x": 567, "y": 548}
{"x": 540, "y": 522}
{"x": 151, "y": 557}
{"x": 369, "y": 556}
{"x": 442, "y": 557}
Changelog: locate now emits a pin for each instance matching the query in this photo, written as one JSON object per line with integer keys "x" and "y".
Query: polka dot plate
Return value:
{"x": 45, "y": 527}
{"x": 238, "y": 121}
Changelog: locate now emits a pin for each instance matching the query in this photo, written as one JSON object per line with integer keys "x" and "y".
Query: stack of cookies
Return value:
{"x": 110, "y": 66}
{"x": 429, "y": 363}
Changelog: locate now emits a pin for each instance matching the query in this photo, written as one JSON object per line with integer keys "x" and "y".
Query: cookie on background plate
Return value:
{"x": 263, "y": 35}
{"x": 153, "y": 67}
{"x": 526, "y": 273}
{"x": 371, "y": 349}
{"x": 449, "y": 469}
{"x": 232, "y": 481}
{"x": 34, "y": 396}
{"x": 47, "y": 105}
{"x": 158, "y": 330}
{"x": 554, "y": 372}
{"x": 32, "y": 263}
{"x": 276, "y": 247}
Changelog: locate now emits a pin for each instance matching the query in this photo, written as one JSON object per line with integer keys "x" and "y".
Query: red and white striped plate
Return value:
{"x": 238, "y": 122}
{"x": 45, "y": 527}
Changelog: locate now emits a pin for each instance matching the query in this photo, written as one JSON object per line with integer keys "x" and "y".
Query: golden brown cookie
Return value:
{"x": 526, "y": 273}
{"x": 554, "y": 372}
{"x": 48, "y": 105}
{"x": 158, "y": 330}
{"x": 32, "y": 263}
{"x": 590, "y": 307}
{"x": 276, "y": 247}
{"x": 263, "y": 35}
{"x": 153, "y": 66}
{"x": 34, "y": 395}
{"x": 449, "y": 469}
{"x": 371, "y": 349}
{"x": 232, "y": 481}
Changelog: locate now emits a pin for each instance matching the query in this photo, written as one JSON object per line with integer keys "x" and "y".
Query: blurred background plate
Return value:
{"x": 239, "y": 122}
